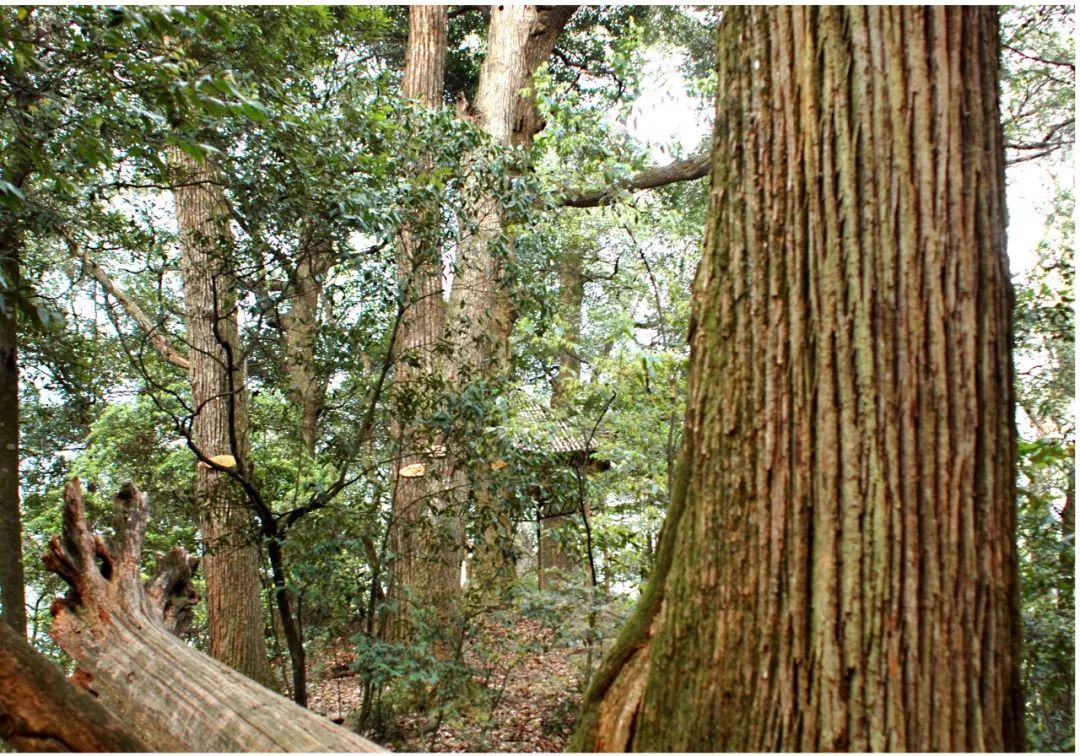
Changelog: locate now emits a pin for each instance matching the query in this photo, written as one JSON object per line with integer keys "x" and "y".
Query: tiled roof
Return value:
{"x": 546, "y": 432}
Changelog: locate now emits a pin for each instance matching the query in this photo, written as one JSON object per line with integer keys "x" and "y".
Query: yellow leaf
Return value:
{"x": 412, "y": 471}
{"x": 499, "y": 464}
{"x": 224, "y": 460}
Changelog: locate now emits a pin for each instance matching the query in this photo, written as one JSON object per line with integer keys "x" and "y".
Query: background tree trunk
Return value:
{"x": 425, "y": 536}
{"x": 12, "y": 583}
{"x": 17, "y": 168}
{"x": 220, "y": 422}
{"x": 557, "y": 556}
{"x": 838, "y": 569}
{"x": 301, "y": 325}
{"x": 520, "y": 38}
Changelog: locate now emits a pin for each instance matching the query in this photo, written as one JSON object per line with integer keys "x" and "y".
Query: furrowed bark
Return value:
{"x": 844, "y": 573}
{"x": 220, "y": 422}
{"x": 424, "y": 537}
{"x": 120, "y": 635}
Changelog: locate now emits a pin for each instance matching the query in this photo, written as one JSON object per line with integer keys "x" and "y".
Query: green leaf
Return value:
{"x": 11, "y": 196}
{"x": 194, "y": 149}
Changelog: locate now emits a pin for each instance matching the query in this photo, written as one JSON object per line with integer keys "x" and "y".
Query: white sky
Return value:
{"x": 1028, "y": 192}
{"x": 664, "y": 114}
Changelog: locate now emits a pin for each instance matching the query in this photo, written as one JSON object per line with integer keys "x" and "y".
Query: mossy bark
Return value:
{"x": 839, "y": 568}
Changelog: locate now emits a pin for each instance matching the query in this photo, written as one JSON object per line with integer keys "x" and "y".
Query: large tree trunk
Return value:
{"x": 220, "y": 422}
{"x": 425, "y": 531}
{"x": 122, "y": 637}
{"x": 481, "y": 317}
{"x": 12, "y": 589}
{"x": 838, "y": 569}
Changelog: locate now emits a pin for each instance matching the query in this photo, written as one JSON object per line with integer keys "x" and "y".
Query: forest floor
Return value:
{"x": 530, "y": 693}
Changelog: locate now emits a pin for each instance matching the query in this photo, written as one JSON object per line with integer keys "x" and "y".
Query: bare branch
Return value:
{"x": 131, "y": 307}
{"x": 689, "y": 169}
{"x": 1037, "y": 59}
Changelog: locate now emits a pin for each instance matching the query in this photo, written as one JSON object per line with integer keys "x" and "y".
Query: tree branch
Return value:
{"x": 1039, "y": 59}
{"x": 131, "y": 307}
{"x": 689, "y": 169}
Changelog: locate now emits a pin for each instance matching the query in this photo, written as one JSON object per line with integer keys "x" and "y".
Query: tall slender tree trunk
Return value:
{"x": 301, "y": 325}
{"x": 12, "y": 581}
{"x": 425, "y": 536}
{"x": 12, "y": 578}
{"x": 220, "y": 422}
{"x": 838, "y": 568}
{"x": 571, "y": 299}
{"x": 481, "y": 317}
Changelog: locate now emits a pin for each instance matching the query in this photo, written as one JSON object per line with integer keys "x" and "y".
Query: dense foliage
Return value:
{"x": 1039, "y": 96}
{"x": 298, "y": 110}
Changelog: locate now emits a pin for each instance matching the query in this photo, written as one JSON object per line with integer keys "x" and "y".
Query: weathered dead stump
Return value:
{"x": 121, "y": 634}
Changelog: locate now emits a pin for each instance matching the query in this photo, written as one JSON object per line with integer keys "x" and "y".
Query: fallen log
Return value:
{"x": 41, "y": 711}
{"x": 120, "y": 633}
